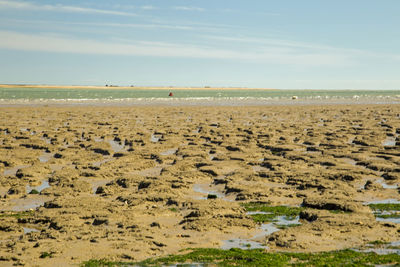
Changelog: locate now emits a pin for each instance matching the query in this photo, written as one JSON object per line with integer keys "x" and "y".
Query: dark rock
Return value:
{"x": 209, "y": 171}
{"x": 155, "y": 224}
{"x": 158, "y": 244}
{"x": 171, "y": 202}
{"x": 229, "y": 189}
{"x": 122, "y": 182}
{"x": 55, "y": 226}
{"x": 308, "y": 216}
{"x": 51, "y": 205}
{"x": 389, "y": 176}
{"x": 359, "y": 142}
{"x": 232, "y": 148}
{"x": 220, "y": 181}
{"x": 101, "y": 151}
{"x": 100, "y": 190}
{"x": 211, "y": 196}
{"x": 13, "y": 191}
{"x": 241, "y": 197}
{"x": 97, "y": 222}
{"x": 19, "y": 173}
{"x": 193, "y": 214}
{"x": 143, "y": 185}
{"x": 201, "y": 164}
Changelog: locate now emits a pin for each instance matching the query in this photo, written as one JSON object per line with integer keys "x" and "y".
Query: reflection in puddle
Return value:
{"x": 44, "y": 185}
{"x": 390, "y": 141}
{"x": 385, "y": 185}
{"x": 242, "y": 244}
{"x": 169, "y": 152}
{"x": 259, "y": 169}
{"x": 207, "y": 189}
{"x": 266, "y": 229}
{"x": 116, "y": 146}
{"x": 31, "y": 202}
{"x": 390, "y": 248}
{"x": 349, "y": 161}
{"x": 97, "y": 184}
{"x": 155, "y": 138}
{"x": 392, "y": 220}
{"x": 46, "y": 140}
{"x": 45, "y": 157}
{"x": 384, "y": 201}
{"x": 13, "y": 171}
{"x": 29, "y": 230}
{"x": 101, "y": 162}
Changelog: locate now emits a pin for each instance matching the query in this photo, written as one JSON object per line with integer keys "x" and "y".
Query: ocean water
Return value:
{"x": 142, "y": 96}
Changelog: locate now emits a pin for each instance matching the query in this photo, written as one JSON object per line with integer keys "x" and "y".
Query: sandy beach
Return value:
{"x": 127, "y": 183}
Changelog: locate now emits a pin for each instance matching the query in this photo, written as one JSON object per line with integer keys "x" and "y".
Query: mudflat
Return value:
{"x": 130, "y": 183}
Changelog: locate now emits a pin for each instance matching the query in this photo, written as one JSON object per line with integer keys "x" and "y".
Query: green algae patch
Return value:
{"x": 269, "y": 213}
{"x": 18, "y": 215}
{"x": 386, "y": 210}
{"x": 259, "y": 257}
{"x": 385, "y": 206}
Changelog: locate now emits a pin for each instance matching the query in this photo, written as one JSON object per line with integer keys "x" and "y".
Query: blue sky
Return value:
{"x": 315, "y": 44}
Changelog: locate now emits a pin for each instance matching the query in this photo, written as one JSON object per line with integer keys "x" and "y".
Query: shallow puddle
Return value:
{"x": 29, "y": 230}
{"x": 155, "y": 138}
{"x": 349, "y": 161}
{"x": 384, "y": 201}
{"x": 390, "y": 248}
{"x": 169, "y": 152}
{"x": 390, "y": 141}
{"x": 392, "y": 220}
{"x": 101, "y": 162}
{"x": 44, "y": 185}
{"x": 265, "y": 230}
{"x": 13, "y": 171}
{"x": 385, "y": 185}
{"x": 45, "y": 157}
{"x": 46, "y": 140}
{"x": 98, "y": 139}
{"x": 116, "y": 146}
{"x": 259, "y": 169}
{"x": 97, "y": 184}
{"x": 208, "y": 189}
{"x": 28, "y": 203}
{"x": 242, "y": 244}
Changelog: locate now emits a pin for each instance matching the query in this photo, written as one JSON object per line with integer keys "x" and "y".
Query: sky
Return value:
{"x": 288, "y": 44}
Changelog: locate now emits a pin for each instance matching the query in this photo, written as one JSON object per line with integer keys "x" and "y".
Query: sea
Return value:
{"x": 198, "y": 96}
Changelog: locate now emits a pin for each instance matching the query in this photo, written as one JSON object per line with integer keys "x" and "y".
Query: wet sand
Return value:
{"x": 131, "y": 182}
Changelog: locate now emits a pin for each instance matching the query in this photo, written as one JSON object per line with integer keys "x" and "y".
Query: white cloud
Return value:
{"x": 296, "y": 47}
{"x": 60, "y": 8}
{"x": 62, "y": 44}
{"x": 189, "y": 8}
{"x": 148, "y": 7}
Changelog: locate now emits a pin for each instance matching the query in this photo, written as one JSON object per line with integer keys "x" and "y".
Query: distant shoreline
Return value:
{"x": 166, "y": 88}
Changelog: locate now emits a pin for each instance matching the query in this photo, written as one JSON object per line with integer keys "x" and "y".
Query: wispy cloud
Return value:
{"x": 189, "y": 8}
{"x": 62, "y": 44}
{"x": 148, "y": 7}
{"x": 60, "y": 8}
{"x": 52, "y": 23}
{"x": 297, "y": 46}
